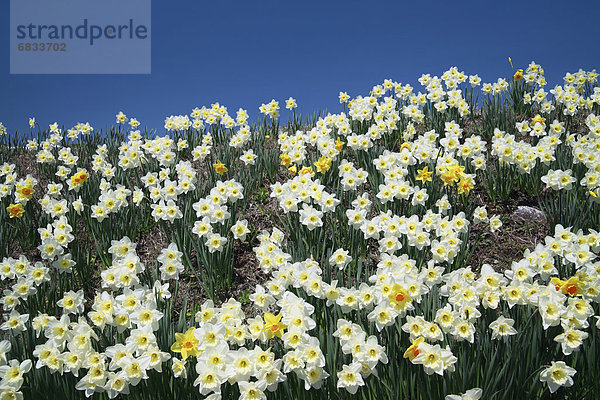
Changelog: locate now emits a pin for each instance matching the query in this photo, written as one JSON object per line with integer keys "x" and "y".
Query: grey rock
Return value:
{"x": 527, "y": 213}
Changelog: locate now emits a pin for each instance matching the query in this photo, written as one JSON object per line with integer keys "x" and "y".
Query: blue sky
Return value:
{"x": 242, "y": 54}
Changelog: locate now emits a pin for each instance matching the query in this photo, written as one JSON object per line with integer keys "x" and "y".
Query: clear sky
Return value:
{"x": 244, "y": 53}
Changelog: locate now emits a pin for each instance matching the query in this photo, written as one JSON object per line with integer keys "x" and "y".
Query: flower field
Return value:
{"x": 372, "y": 253}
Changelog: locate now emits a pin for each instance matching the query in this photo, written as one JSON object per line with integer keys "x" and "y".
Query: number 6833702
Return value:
{"x": 42, "y": 46}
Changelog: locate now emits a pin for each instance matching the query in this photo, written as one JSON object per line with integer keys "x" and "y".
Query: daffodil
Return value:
{"x": 306, "y": 170}
{"x": 186, "y": 344}
{"x": 424, "y": 175}
{"x": 558, "y": 374}
{"x": 285, "y": 159}
{"x": 399, "y": 297}
{"x": 323, "y": 164}
{"x": 406, "y": 145}
{"x": 273, "y": 325}
{"x": 448, "y": 178}
{"x": 220, "y": 168}
{"x": 15, "y": 210}
{"x": 24, "y": 192}
{"x": 571, "y": 286}
{"x": 518, "y": 75}
{"x": 413, "y": 350}
{"x": 539, "y": 119}
{"x": 465, "y": 185}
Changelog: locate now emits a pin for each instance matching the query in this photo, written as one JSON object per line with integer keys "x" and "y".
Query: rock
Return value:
{"x": 527, "y": 213}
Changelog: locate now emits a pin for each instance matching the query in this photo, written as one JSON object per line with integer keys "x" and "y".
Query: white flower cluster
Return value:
{"x": 303, "y": 190}
{"x": 271, "y": 109}
{"x": 570, "y": 97}
{"x": 45, "y": 155}
{"x": 366, "y": 354}
{"x": 240, "y": 138}
{"x": 72, "y": 341}
{"x": 79, "y": 129}
{"x": 110, "y": 200}
{"x": 212, "y": 209}
{"x": 177, "y": 123}
{"x": 202, "y": 150}
{"x": 11, "y": 373}
{"x": 101, "y": 164}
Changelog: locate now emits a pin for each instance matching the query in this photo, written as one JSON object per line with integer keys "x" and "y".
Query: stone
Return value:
{"x": 527, "y": 213}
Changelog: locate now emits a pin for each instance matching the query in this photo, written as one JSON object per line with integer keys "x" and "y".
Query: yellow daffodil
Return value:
{"x": 220, "y": 168}
{"x": 186, "y": 344}
{"x": 571, "y": 286}
{"x": 458, "y": 171}
{"x": 399, "y": 297}
{"x": 405, "y": 145}
{"x": 273, "y": 325}
{"x": 285, "y": 159}
{"x": 15, "y": 210}
{"x": 306, "y": 170}
{"x": 448, "y": 178}
{"x": 339, "y": 144}
{"x": 465, "y": 185}
{"x": 25, "y": 191}
{"x": 413, "y": 349}
{"x": 80, "y": 177}
{"x": 538, "y": 118}
{"x": 293, "y": 169}
{"x": 424, "y": 175}
{"x": 518, "y": 75}
{"x": 323, "y": 164}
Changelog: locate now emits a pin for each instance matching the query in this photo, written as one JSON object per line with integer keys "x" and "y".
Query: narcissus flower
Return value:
{"x": 518, "y": 75}
{"x": 449, "y": 178}
{"x": 471, "y": 394}
{"x": 285, "y": 159}
{"x": 424, "y": 175}
{"x": 350, "y": 377}
{"x": 413, "y": 349}
{"x": 307, "y": 170}
{"x": 558, "y": 374}
{"x": 186, "y": 344}
{"x": 399, "y": 297}
{"x": 502, "y": 327}
{"x": 435, "y": 359}
{"x": 290, "y": 103}
{"x": 273, "y": 325}
{"x": 15, "y": 210}
{"x": 465, "y": 185}
{"x": 121, "y": 118}
{"x": 220, "y": 168}
{"x": 538, "y": 119}
{"x": 571, "y": 286}
{"x": 25, "y": 192}
{"x": 323, "y": 164}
